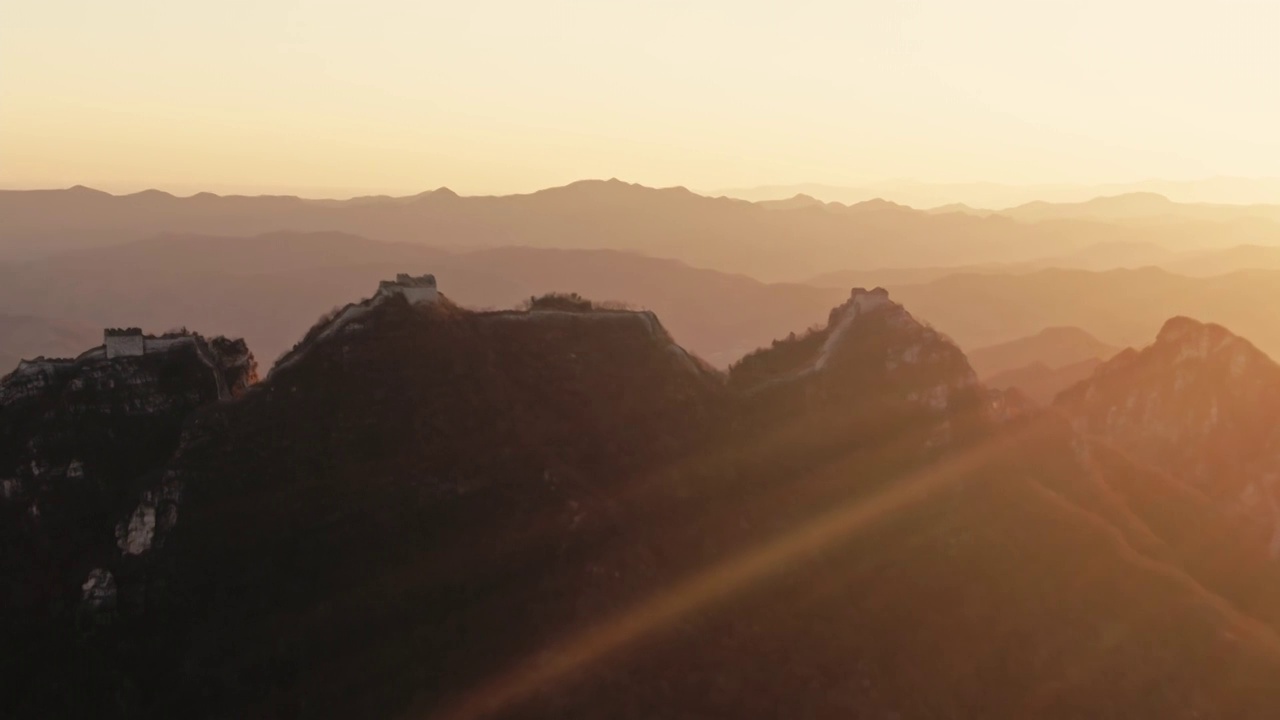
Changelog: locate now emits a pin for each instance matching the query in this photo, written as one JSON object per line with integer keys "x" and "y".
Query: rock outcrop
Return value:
{"x": 84, "y": 502}
{"x": 1199, "y": 403}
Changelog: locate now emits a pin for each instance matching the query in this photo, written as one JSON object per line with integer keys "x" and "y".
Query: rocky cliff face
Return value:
{"x": 1199, "y": 403}
{"x": 84, "y": 504}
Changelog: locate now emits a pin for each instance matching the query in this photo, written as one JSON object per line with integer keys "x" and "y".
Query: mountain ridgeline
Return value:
{"x": 428, "y": 511}
{"x": 1200, "y": 403}
{"x": 771, "y": 241}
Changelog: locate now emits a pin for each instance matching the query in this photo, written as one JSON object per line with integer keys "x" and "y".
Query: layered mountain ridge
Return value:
{"x": 721, "y": 232}
{"x": 557, "y": 512}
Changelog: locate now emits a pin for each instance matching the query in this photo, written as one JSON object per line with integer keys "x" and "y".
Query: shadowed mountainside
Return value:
{"x": 83, "y": 501}
{"x": 443, "y": 513}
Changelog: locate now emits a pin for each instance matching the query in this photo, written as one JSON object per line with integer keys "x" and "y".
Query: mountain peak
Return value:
{"x": 419, "y": 290}
{"x": 1181, "y": 327}
{"x": 1053, "y": 347}
{"x": 796, "y": 202}
{"x": 151, "y": 194}
{"x": 871, "y": 358}
{"x": 440, "y": 193}
{"x": 876, "y": 295}
{"x": 1153, "y": 198}
{"x": 1198, "y": 392}
{"x": 861, "y": 302}
{"x": 87, "y": 191}
{"x": 879, "y": 204}
{"x": 1196, "y": 339}
{"x": 593, "y": 189}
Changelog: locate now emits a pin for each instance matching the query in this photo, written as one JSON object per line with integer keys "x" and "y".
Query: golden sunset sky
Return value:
{"x": 491, "y": 96}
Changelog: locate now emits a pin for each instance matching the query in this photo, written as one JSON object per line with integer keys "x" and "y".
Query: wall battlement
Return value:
{"x": 123, "y": 342}
{"x": 419, "y": 289}
{"x": 131, "y": 342}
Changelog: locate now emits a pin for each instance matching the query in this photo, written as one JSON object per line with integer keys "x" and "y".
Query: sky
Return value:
{"x": 332, "y": 97}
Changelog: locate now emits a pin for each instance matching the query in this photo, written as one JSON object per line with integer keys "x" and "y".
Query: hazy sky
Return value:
{"x": 510, "y": 95}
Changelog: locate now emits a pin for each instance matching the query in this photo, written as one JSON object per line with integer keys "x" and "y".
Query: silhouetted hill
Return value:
{"x": 1053, "y": 347}
{"x": 519, "y": 441}
{"x": 437, "y": 512}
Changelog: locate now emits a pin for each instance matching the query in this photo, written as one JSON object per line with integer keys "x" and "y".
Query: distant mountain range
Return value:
{"x": 1054, "y": 347}
{"x": 1119, "y": 307}
{"x": 771, "y": 241}
{"x": 1042, "y": 365}
{"x": 1100, "y": 257}
{"x": 998, "y": 195}
{"x": 1041, "y": 383}
{"x": 1146, "y": 207}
